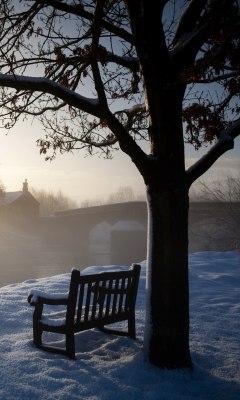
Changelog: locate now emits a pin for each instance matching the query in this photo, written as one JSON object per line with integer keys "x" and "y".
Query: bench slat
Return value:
{"x": 115, "y": 297}
{"x": 80, "y": 302}
{"x": 129, "y": 285}
{"x": 95, "y": 298}
{"x": 87, "y": 304}
{"x": 108, "y": 299}
{"x": 101, "y": 299}
{"x": 121, "y": 295}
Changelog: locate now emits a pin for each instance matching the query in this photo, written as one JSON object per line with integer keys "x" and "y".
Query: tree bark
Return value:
{"x": 166, "y": 341}
{"x": 167, "y": 317}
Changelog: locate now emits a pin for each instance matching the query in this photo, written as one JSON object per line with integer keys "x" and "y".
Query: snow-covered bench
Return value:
{"x": 93, "y": 301}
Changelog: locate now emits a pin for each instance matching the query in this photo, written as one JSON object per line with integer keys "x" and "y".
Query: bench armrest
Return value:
{"x": 36, "y": 296}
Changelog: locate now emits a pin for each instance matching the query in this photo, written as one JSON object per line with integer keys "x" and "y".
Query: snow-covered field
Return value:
{"x": 110, "y": 367}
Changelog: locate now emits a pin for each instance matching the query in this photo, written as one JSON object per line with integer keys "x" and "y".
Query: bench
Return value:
{"x": 93, "y": 301}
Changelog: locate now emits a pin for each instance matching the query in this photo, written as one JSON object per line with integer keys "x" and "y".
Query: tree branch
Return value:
{"x": 45, "y": 85}
{"x": 96, "y": 32}
{"x": 127, "y": 62}
{"x": 79, "y": 10}
{"x": 130, "y": 147}
{"x": 105, "y": 143}
{"x": 189, "y": 19}
{"x": 131, "y": 113}
{"x": 224, "y": 143}
{"x": 189, "y": 41}
{"x": 218, "y": 78}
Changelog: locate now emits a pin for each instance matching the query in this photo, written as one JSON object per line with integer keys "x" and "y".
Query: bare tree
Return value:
{"x": 224, "y": 189}
{"x": 50, "y": 201}
{"x": 92, "y": 202}
{"x": 123, "y": 194}
{"x": 2, "y": 189}
{"x": 150, "y": 66}
{"x": 222, "y": 225}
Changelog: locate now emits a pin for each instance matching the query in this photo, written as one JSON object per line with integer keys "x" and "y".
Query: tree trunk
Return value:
{"x": 166, "y": 342}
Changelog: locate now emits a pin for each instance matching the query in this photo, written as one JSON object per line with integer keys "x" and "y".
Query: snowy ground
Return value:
{"x": 111, "y": 367}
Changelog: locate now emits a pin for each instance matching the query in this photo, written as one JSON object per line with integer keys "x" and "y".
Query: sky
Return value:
{"x": 112, "y": 367}
{"x": 76, "y": 175}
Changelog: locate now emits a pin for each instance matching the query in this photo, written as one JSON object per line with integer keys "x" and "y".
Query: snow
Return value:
{"x": 38, "y": 293}
{"x": 111, "y": 367}
{"x": 100, "y": 233}
{"x": 128, "y": 226}
{"x": 10, "y": 197}
{"x": 13, "y": 81}
{"x": 148, "y": 316}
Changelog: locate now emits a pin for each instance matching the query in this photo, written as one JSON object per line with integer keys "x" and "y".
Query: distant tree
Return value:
{"x": 92, "y": 202}
{"x": 2, "y": 189}
{"x": 225, "y": 188}
{"x": 223, "y": 231}
{"x": 50, "y": 201}
{"x": 124, "y": 193}
{"x": 150, "y": 67}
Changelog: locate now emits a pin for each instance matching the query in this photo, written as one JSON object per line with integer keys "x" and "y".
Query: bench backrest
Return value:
{"x": 102, "y": 298}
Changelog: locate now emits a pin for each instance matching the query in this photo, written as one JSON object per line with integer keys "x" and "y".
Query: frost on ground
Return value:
{"x": 111, "y": 367}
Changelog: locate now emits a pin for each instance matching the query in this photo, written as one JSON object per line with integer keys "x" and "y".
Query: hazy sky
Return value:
{"x": 78, "y": 176}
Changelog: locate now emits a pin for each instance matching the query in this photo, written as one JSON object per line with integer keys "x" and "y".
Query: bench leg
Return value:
{"x": 131, "y": 327}
{"x": 37, "y": 337}
{"x": 70, "y": 345}
{"x": 37, "y": 331}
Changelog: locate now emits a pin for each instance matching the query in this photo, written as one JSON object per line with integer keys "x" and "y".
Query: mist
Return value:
{"x": 34, "y": 245}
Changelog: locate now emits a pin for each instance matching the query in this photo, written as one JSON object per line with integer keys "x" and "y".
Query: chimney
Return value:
{"x": 25, "y": 186}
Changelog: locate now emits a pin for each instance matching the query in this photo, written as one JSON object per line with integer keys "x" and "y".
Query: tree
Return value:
{"x": 2, "y": 189}
{"x": 150, "y": 66}
{"x": 124, "y": 193}
{"x": 50, "y": 201}
{"x": 222, "y": 229}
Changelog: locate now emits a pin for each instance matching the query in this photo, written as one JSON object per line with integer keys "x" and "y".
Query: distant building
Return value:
{"x": 18, "y": 209}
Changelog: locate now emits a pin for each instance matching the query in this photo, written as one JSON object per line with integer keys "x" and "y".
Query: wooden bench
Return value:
{"x": 93, "y": 301}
